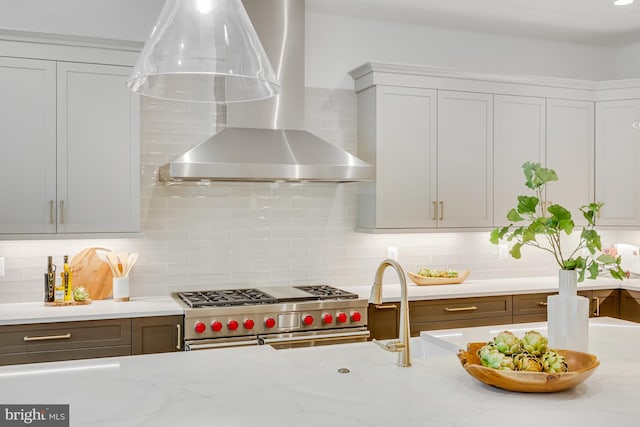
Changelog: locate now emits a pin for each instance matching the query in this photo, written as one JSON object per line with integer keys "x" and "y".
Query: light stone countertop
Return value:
{"x": 37, "y": 312}
{"x": 481, "y": 288}
{"x": 259, "y": 386}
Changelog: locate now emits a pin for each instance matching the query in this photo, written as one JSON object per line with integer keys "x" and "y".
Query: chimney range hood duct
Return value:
{"x": 265, "y": 140}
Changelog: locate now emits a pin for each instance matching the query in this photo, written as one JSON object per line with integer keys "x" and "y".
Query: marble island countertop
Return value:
{"x": 260, "y": 386}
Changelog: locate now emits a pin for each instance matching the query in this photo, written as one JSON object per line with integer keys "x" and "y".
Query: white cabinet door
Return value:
{"x": 98, "y": 150}
{"x": 398, "y": 135}
{"x": 465, "y": 159}
{"x": 570, "y": 152}
{"x": 28, "y": 141}
{"x": 518, "y": 137}
{"x": 617, "y": 160}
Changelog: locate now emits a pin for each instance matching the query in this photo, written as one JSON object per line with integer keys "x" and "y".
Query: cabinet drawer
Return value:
{"x": 460, "y": 309}
{"x": 383, "y": 320}
{"x": 61, "y": 355}
{"x": 65, "y": 336}
{"x": 532, "y": 305}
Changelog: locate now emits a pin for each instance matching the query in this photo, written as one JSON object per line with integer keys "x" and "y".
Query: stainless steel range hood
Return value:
{"x": 266, "y": 140}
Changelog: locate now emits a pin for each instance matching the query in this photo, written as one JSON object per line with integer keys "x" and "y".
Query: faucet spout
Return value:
{"x": 402, "y": 345}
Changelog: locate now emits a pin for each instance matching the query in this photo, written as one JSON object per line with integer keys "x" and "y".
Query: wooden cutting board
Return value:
{"x": 91, "y": 272}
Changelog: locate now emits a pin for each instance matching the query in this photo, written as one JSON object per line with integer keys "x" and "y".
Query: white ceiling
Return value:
{"x": 596, "y": 22}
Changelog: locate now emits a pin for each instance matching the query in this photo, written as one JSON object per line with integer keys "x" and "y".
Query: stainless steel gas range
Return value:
{"x": 283, "y": 317}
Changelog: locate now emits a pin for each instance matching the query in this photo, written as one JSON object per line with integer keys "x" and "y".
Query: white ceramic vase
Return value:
{"x": 568, "y": 315}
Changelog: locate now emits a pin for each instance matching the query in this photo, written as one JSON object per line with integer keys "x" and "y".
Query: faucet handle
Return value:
{"x": 392, "y": 346}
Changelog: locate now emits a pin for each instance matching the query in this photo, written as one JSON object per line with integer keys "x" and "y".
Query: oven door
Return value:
{"x": 220, "y": 343}
{"x": 314, "y": 338}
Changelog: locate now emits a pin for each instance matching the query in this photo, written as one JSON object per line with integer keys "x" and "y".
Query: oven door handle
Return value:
{"x": 314, "y": 337}
{"x": 195, "y": 346}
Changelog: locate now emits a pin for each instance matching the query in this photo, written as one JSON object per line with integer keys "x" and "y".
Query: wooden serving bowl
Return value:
{"x": 581, "y": 366}
{"x": 427, "y": 281}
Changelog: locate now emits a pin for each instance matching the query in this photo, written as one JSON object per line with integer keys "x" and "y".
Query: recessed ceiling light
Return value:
{"x": 622, "y": 2}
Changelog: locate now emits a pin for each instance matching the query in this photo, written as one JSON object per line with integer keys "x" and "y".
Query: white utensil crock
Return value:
{"x": 121, "y": 289}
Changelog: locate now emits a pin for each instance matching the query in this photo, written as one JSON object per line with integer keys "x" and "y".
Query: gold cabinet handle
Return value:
{"x": 178, "y": 327}
{"x": 61, "y": 211}
{"x": 441, "y": 211}
{"x": 597, "y": 312}
{"x": 51, "y": 204}
{"x": 451, "y": 310}
{"x": 49, "y": 337}
{"x": 542, "y": 304}
{"x": 435, "y": 211}
{"x": 385, "y": 306}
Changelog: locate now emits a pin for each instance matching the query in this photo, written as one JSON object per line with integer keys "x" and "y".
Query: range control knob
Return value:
{"x": 248, "y": 324}
{"x": 341, "y": 317}
{"x": 269, "y": 322}
{"x": 200, "y": 327}
{"x": 327, "y": 318}
{"x": 307, "y": 319}
{"x": 216, "y": 326}
{"x": 232, "y": 325}
{"x": 356, "y": 316}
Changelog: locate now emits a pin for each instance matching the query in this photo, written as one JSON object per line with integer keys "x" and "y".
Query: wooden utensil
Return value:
{"x": 131, "y": 260}
{"x": 113, "y": 264}
{"x": 92, "y": 273}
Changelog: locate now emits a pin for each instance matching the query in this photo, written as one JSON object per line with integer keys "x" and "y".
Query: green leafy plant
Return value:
{"x": 544, "y": 229}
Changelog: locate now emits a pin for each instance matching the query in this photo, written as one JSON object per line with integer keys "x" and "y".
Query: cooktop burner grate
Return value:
{"x": 226, "y": 297}
{"x": 327, "y": 292}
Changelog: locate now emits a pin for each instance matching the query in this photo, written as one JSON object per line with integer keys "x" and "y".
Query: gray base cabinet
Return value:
{"x": 48, "y": 342}
{"x": 156, "y": 334}
{"x": 496, "y": 310}
{"x": 630, "y": 305}
{"x": 57, "y": 341}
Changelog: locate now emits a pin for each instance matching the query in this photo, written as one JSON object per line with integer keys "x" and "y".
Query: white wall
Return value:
{"x": 336, "y": 45}
{"x": 628, "y": 61}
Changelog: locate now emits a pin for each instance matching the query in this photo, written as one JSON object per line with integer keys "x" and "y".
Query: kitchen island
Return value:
{"x": 250, "y": 386}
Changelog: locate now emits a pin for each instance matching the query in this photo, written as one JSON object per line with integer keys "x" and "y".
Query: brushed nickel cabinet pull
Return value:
{"x": 50, "y": 211}
{"x": 49, "y": 337}
{"x": 179, "y": 346}
{"x": 441, "y": 211}
{"x": 61, "y": 211}
{"x": 542, "y": 304}
{"x": 435, "y": 211}
{"x": 386, "y": 306}
{"x": 470, "y": 308}
{"x": 597, "y": 312}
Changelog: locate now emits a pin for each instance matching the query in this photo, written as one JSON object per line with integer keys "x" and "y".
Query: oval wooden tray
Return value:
{"x": 581, "y": 366}
{"x": 428, "y": 281}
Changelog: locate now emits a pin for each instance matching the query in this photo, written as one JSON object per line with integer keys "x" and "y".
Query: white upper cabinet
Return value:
{"x": 617, "y": 162}
{"x": 465, "y": 161}
{"x": 518, "y": 137}
{"x": 28, "y": 141}
{"x": 448, "y": 146}
{"x": 70, "y": 138}
{"x": 570, "y": 152}
{"x": 98, "y": 150}
{"x": 397, "y": 128}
